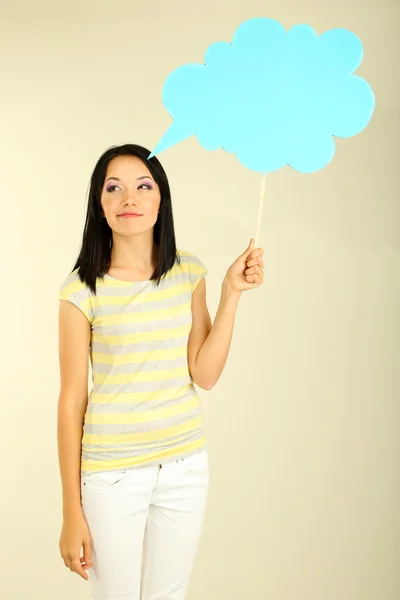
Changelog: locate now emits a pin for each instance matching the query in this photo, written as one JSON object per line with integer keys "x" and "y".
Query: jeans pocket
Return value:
{"x": 103, "y": 480}
{"x": 197, "y": 464}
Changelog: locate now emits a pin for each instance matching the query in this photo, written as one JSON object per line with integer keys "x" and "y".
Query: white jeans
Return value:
{"x": 145, "y": 525}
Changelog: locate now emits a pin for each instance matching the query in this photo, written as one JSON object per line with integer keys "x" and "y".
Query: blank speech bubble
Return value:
{"x": 271, "y": 97}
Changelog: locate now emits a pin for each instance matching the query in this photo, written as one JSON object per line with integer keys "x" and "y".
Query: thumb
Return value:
{"x": 249, "y": 248}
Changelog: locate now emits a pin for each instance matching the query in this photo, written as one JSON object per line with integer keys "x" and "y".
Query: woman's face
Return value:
{"x": 130, "y": 187}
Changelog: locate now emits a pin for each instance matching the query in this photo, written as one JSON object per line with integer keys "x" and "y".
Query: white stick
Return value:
{"x": 260, "y": 209}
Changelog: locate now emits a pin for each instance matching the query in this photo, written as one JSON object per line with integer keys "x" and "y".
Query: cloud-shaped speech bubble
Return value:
{"x": 272, "y": 97}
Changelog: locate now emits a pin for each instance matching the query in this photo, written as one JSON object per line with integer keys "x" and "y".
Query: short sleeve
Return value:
{"x": 75, "y": 291}
{"x": 197, "y": 271}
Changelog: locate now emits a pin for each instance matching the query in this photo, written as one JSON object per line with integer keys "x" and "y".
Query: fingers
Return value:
{"x": 254, "y": 279}
{"x": 257, "y": 270}
{"x": 255, "y": 266}
{"x": 77, "y": 567}
{"x": 74, "y": 564}
{"x": 86, "y": 564}
{"x": 255, "y": 253}
{"x": 255, "y": 261}
{"x": 87, "y": 551}
{"x": 70, "y": 554}
{"x": 255, "y": 274}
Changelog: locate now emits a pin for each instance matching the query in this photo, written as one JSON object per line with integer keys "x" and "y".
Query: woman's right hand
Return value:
{"x": 74, "y": 535}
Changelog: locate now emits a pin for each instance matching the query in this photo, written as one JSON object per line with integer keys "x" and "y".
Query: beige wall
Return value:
{"x": 304, "y": 500}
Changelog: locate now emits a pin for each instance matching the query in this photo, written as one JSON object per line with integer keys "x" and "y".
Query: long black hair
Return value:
{"x": 95, "y": 255}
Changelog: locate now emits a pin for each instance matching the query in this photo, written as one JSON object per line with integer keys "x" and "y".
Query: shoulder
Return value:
{"x": 72, "y": 284}
{"x": 189, "y": 258}
{"x": 78, "y": 292}
{"x": 193, "y": 266}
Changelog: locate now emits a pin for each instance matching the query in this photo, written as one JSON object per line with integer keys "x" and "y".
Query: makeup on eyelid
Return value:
{"x": 146, "y": 182}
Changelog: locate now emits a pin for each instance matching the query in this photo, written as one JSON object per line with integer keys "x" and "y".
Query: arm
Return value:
{"x": 74, "y": 340}
{"x": 209, "y": 345}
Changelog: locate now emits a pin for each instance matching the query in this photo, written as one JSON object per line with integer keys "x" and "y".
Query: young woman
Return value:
{"x": 133, "y": 457}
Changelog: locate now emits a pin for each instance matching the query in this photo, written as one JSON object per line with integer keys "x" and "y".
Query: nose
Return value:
{"x": 130, "y": 198}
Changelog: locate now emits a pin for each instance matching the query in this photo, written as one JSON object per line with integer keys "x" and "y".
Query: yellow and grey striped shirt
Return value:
{"x": 143, "y": 407}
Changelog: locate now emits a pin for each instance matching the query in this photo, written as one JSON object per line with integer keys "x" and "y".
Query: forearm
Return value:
{"x": 69, "y": 434}
{"x": 213, "y": 354}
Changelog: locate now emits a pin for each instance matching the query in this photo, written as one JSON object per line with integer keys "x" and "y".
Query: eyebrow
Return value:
{"x": 142, "y": 177}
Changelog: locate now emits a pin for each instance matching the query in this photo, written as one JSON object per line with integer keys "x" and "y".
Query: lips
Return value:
{"x": 130, "y": 214}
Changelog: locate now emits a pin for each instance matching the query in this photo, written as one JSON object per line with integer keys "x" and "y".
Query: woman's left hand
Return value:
{"x": 247, "y": 272}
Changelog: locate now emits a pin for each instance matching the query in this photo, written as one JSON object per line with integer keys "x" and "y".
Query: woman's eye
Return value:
{"x": 146, "y": 185}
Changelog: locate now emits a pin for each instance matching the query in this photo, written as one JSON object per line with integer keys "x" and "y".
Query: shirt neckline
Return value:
{"x": 132, "y": 282}
{"x": 126, "y": 282}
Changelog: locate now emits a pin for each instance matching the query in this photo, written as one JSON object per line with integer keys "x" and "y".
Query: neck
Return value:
{"x": 137, "y": 252}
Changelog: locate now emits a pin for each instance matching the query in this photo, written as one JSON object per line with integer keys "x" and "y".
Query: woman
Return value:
{"x": 135, "y": 485}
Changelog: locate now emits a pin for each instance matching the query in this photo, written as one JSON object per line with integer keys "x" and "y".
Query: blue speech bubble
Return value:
{"x": 272, "y": 97}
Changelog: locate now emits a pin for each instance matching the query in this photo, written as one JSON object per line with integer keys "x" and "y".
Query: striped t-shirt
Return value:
{"x": 143, "y": 407}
